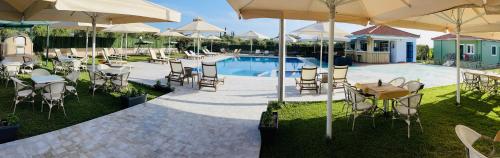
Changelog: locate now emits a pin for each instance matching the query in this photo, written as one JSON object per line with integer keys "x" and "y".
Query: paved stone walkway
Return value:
{"x": 191, "y": 122}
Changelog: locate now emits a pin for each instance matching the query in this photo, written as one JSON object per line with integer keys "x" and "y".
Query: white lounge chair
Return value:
{"x": 468, "y": 137}
{"x": 209, "y": 77}
{"x": 308, "y": 80}
{"x": 152, "y": 53}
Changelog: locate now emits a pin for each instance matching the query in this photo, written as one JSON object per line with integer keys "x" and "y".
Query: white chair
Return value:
{"x": 339, "y": 77}
{"x": 121, "y": 81}
{"x": 83, "y": 63}
{"x": 28, "y": 65}
{"x": 24, "y": 93}
{"x": 468, "y": 136}
{"x": 347, "y": 100}
{"x": 209, "y": 77}
{"x": 360, "y": 106}
{"x": 470, "y": 81}
{"x": 59, "y": 67}
{"x": 413, "y": 86}
{"x": 308, "y": 80}
{"x": 53, "y": 95}
{"x": 72, "y": 79}
{"x": 257, "y": 51}
{"x": 9, "y": 72}
{"x": 97, "y": 80}
{"x": 408, "y": 107}
{"x": 398, "y": 82}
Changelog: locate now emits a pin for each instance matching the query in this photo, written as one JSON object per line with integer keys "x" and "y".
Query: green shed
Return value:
{"x": 475, "y": 52}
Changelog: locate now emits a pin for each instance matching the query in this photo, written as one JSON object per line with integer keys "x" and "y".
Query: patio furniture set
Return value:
{"x": 311, "y": 79}
{"x": 487, "y": 82}
{"x": 54, "y": 88}
{"x": 207, "y": 78}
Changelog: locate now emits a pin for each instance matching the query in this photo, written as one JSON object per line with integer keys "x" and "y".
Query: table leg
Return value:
{"x": 386, "y": 102}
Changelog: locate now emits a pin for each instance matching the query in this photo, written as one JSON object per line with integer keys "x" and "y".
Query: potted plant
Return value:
{"x": 163, "y": 88}
{"x": 133, "y": 97}
{"x": 268, "y": 125}
{"x": 8, "y": 128}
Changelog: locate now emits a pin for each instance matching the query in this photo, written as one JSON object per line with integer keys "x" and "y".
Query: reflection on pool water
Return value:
{"x": 262, "y": 66}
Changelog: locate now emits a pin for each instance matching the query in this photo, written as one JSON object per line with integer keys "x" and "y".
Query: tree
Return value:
{"x": 422, "y": 52}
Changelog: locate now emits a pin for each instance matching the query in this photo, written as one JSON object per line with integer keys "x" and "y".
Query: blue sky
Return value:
{"x": 219, "y": 13}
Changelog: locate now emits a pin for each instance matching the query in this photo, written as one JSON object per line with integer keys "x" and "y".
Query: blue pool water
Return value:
{"x": 262, "y": 66}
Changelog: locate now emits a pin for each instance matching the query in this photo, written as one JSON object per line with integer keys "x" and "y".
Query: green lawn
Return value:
{"x": 89, "y": 107}
{"x": 302, "y": 129}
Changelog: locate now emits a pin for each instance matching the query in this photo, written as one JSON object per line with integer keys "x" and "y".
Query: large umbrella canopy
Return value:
{"x": 79, "y": 26}
{"x": 321, "y": 29}
{"x": 170, "y": 33}
{"x": 350, "y": 11}
{"x": 22, "y": 24}
{"x": 461, "y": 19}
{"x": 196, "y": 36}
{"x": 212, "y": 38}
{"x": 199, "y": 26}
{"x": 288, "y": 38}
{"x": 131, "y": 28}
{"x": 251, "y": 35}
{"x": 94, "y": 11}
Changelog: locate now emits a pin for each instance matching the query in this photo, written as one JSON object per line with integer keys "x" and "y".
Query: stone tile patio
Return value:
{"x": 195, "y": 123}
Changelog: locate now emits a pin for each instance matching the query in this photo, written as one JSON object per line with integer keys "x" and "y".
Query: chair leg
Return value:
{"x": 50, "y": 110}
{"x": 408, "y": 121}
{"x": 419, "y": 123}
{"x": 64, "y": 111}
{"x": 354, "y": 120}
{"x": 77, "y": 97}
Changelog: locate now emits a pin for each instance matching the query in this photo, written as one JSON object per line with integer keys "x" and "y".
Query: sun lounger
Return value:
{"x": 162, "y": 54}
{"x": 308, "y": 80}
{"x": 109, "y": 61}
{"x": 339, "y": 77}
{"x": 191, "y": 56}
{"x": 176, "y": 73}
{"x": 209, "y": 77}
{"x": 152, "y": 53}
{"x": 194, "y": 54}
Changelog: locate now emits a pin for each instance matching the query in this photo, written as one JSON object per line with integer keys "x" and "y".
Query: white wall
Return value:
{"x": 400, "y": 50}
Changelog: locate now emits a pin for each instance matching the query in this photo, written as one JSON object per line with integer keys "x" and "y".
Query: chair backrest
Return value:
{"x": 411, "y": 101}
{"x": 73, "y": 51}
{"x": 346, "y": 91}
{"x": 412, "y": 86}
{"x": 176, "y": 67}
{"x": 97, "y": 75}
{"x": 11, "y": 70}
{"x": 468, "y": 76}
{"x": 105, "y": 54}
{"x": 191, "y": 52}
{"x": 187, "y": 53}
{"x": 484, "y": 79}
{"x": 152, "y": 52}
{"x": 209, "y": 69}
{"x": 340, "y": 72}
{"x": 112, "y": 51}
{"x": 257, "y": 51}
{"x": 308, "y": 73}
{"x": 162, "y": 53}
{"x": 468, "y": 136}
{"x": 27, "y": 59}
{"x": 55, "y": 88}
{"x": 18, "y": 84}
{"x": 355, "y": 96}
{"x": 58, "y": 53}
{"x": 40, "y": 72}
{"x": 73, "y": 76}
{"x": 398, "y": 81}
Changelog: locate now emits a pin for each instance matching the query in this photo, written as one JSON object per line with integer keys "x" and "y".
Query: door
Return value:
{"x": 393, "y": 52}
{"x": 409, "y": 51}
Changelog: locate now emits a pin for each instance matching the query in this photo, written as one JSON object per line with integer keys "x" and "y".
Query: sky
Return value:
{"x": 220, "y": 13}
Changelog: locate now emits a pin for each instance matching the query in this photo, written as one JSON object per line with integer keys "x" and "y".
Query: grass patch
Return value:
{"x": 90, "y": 107}
{"x": 302, "y": 129}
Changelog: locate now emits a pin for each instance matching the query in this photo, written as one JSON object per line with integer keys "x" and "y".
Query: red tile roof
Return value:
{"x": 453, "y": 36}
{"x": 385, "y": 31}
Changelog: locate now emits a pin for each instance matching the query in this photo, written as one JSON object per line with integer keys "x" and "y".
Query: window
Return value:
{"x": 381, "y": 46}
{"x": 470, "y": 49}
{"x": 493, "y": 50}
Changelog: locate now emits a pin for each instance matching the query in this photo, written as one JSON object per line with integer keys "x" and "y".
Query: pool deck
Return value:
{"x": 195, "y": 123}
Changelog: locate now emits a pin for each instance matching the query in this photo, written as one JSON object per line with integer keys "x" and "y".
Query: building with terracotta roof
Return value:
{"x": 475, "y": 52}
{"x": 382, "y": 44}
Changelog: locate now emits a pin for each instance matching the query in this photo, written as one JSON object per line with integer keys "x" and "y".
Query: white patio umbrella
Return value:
{"x": 212, "y": 38}
{"x": 321, "y": 30}
{"x": 79, "y": 26}
{"x": 92, "y": 11}
{"x": 288, "y": 38}
{"x": 131, "y": 28}
{"x": 251, "y": 35}
{"x": 350, "y": 11}
{"x": 170, "y": 33}
{"x": 461, "y": 19}
{"x": 196, "y": 39}
{"x": 199, "y": 26}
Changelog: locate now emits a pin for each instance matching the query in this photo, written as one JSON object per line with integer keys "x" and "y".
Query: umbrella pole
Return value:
{"x": 168, "y": 50}
{"x": 211, "y": 45}
{"x": 282, "y": 57}
{"x": 93, "y": 41}
{"x": 126, "y": 45}
{"x": 47, "y": 46}
{"x": 86, "y": 42}
{"x": 457, "y": 58}
{"x": 332, "y": 5}
{"x": 321, "y": 52}
{"x": 251, "y": 45}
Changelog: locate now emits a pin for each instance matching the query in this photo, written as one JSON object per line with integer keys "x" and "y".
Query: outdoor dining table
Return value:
{"x": 46, "y": 79}
{"x": 491, "y": 75}
{"x": 384, "y": 92}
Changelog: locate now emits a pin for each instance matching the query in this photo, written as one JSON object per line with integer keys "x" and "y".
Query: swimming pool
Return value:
{"x": 262, "y": 66}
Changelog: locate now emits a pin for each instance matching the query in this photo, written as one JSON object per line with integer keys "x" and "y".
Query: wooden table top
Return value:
{"x": 386, "y": 91}
{"x": 491, "y": 75}
{"x": 497, "y": 137}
